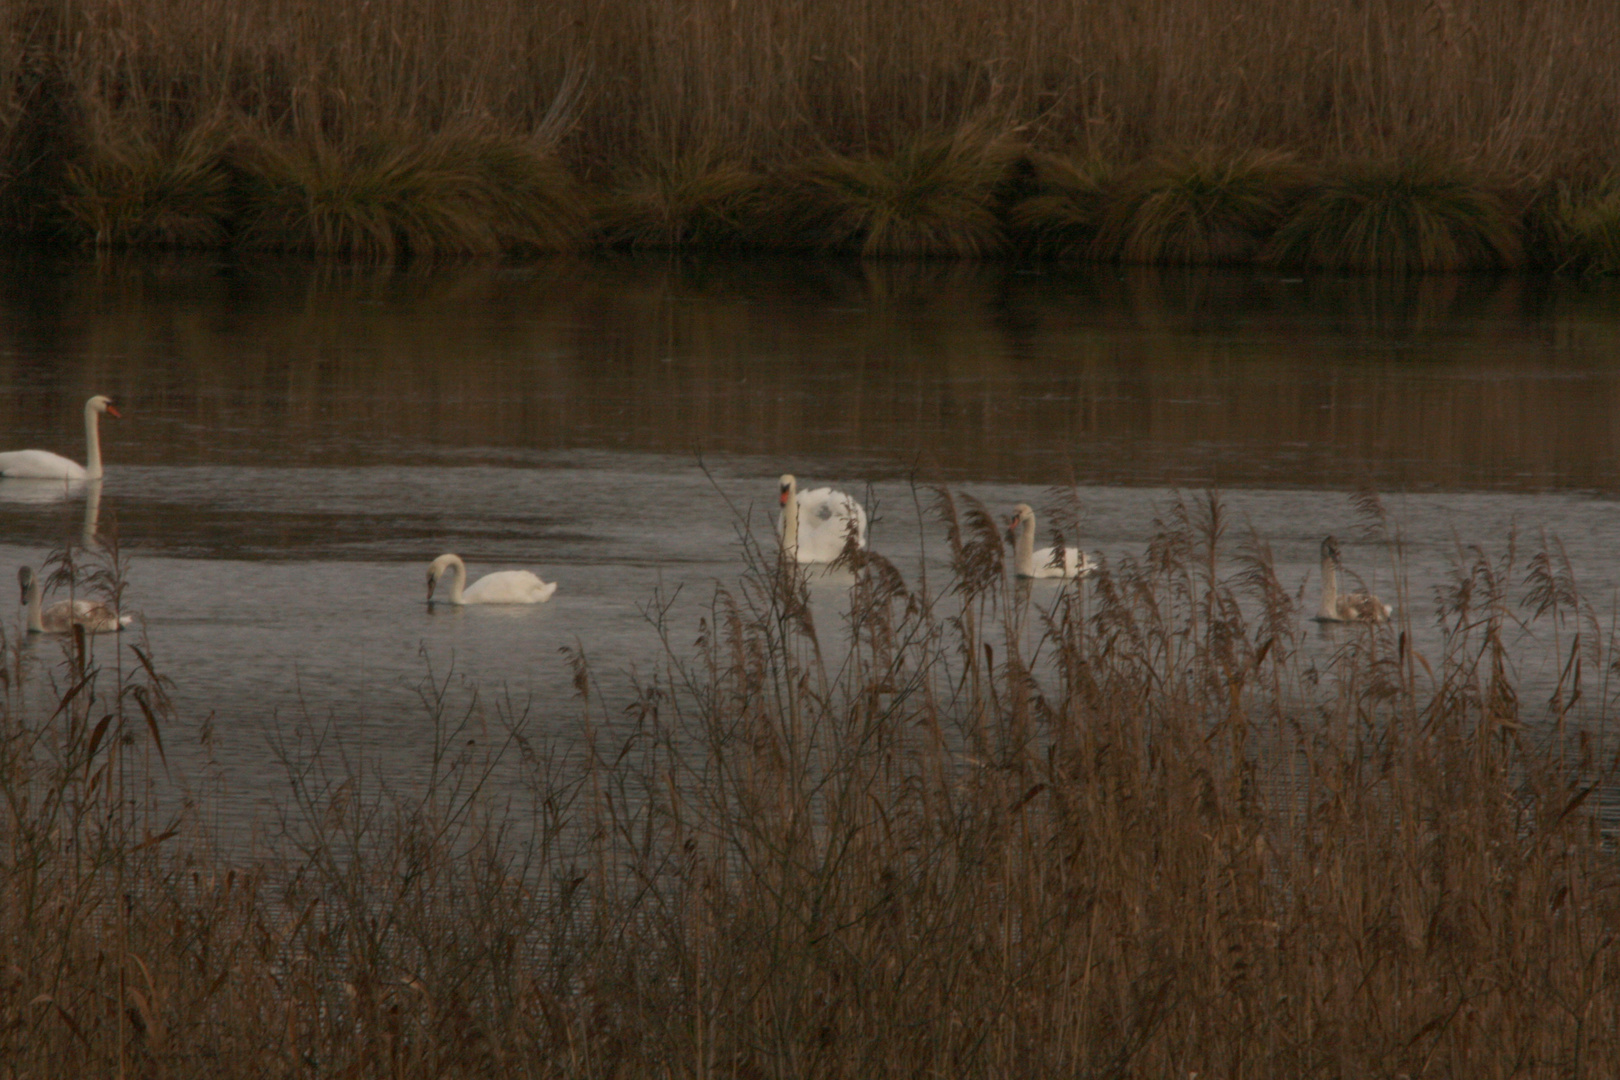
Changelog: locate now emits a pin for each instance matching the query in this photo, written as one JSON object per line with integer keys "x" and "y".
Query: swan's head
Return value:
{"x": 1330, "y": 550}
{"x": 436, "y": 571}
{"x": 787, "y": 483}
{"x": 101, "y": 403}
{"x": 1021, "y": 514}
{"x": 25, "y": 578}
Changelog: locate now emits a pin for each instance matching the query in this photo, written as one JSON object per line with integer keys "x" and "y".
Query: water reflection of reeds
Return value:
{"x": 1107, "y": 376}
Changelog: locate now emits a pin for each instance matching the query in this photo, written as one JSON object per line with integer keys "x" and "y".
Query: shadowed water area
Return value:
{"x": 297, "y": 444}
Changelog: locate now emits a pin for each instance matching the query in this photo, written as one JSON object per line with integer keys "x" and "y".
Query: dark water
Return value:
{"x": 298, "y": 443}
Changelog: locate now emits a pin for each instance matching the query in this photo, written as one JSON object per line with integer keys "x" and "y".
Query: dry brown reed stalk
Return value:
{"x": 1172, "y": 835}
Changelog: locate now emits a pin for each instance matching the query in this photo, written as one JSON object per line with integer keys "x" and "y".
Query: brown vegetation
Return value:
{"x": 106, "y": 104}
{"x": 1132, "y": 829}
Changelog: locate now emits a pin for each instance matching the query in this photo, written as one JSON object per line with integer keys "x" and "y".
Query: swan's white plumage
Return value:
{"x": 501, "y": 587}
{"x": 1029, "y": 562}
{"x": 39, "y": 465}
{"x": 816, "y": 525}
{"x": 44, "y": 465}
{"x": 62, "y": 616}
{"x": 1346, "y": 607}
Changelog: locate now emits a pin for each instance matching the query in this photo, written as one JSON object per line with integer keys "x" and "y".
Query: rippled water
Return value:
{"x": 298, "y": 443}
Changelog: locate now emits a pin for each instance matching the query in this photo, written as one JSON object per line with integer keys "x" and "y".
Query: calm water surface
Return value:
{"x": 298, "y": 443}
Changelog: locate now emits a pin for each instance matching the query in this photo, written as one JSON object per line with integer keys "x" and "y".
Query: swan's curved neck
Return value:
{"x": 92, "y": 444}
{"x": 458, "y": 582}
{"x": 1024, "y": 554}
{"x": 790, "y": 525}
{"x": 1330, "y": 589}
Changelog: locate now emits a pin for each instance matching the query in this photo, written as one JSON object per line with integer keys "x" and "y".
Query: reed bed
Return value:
{"x": 1133, "y": 829}
{"x": 138, "y": 122}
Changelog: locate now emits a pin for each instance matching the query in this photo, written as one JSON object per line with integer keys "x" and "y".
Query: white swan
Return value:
{"x": 1047, "y": 562}
{"x": 62, "y": 616}
{"x": 1350, "y": 607}
{"x": 814, "y": 526}
{"x": 44, "y": 465}
{"x": 501, "y": 587}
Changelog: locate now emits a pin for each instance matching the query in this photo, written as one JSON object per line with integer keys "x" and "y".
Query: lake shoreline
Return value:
{"x": 963, "y": 195}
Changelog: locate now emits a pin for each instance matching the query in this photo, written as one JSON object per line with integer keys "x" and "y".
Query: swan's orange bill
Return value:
{"x": 113, "y": 411}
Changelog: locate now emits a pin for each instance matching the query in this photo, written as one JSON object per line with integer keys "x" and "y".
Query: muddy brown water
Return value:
{"x": 299, "y": 441}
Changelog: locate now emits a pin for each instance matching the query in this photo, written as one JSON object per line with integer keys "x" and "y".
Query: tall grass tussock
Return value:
{"x": 1061, "y": 209}
{"x": 448, "y": 193}
{"x": 129, "y": 190}
{"x": 934, "y": 195}
{"x": 695, "y": 199}
{"x": 1200, "y": 209}
{"x": 1581, "y": 230}
{"x": 359, "y": 124}
{"x": 1410, "y": 215}
{"x": 1130, "y": 827}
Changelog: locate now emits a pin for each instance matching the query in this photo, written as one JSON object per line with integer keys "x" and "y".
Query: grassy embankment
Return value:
{"x": 1300, "y": 133}
{"x": 1138, "y": 832}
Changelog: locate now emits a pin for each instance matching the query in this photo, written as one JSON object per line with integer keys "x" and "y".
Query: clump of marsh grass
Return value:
{"x": 388, "y": 196}
{"x": 133, "y": 187}
{"x": 933, "y": 195}
{"x": 1066, "y": 206}
{"x": 1583, "y": 228}
{"x": 695, "y": 199}
{"x": 1410, "y": 215}
{"x": 1199, "y": 208}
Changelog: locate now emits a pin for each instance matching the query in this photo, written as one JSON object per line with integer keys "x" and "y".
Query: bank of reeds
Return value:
{"x": 1130, "y": 828}
{"x": 446, "y": 126}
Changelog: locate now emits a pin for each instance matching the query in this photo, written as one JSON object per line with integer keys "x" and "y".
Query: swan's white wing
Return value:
{"x": 825, "y": 517}
{"x": 1075, "y": 563}
{"x": 1078, "y": 563}
{"x": 61, "y": 617}
{"x": 39, "y": 465}
{"x": 508, "y": 587}
{"x": 1363, "y": 607}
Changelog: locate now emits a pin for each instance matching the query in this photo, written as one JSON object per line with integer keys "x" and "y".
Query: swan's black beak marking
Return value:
{"x": 783, "y": 500}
